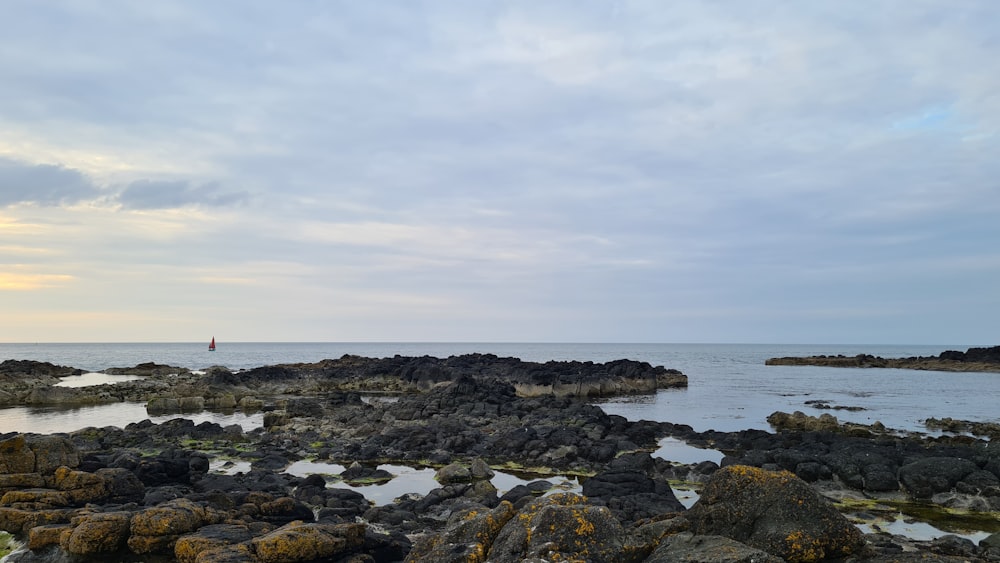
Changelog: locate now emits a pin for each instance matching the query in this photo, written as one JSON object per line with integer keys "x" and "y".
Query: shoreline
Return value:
{"x": 465, "y": 417}
{"x": 972, "y": 360}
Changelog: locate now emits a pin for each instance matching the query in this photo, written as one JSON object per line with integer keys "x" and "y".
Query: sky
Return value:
{"x": 561, "y": 171}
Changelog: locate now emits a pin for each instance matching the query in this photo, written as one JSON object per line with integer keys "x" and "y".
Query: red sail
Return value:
{"x": 211, "y": 346}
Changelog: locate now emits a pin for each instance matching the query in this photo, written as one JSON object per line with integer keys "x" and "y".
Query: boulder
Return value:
{"x": 156, "y": 529}
{"x": 562, "y": 526}
{"x": 686, "y": 547}
{"x": 773, "y": 511}
{"x": 927, "y": 476}
{"x": 41, "y": 537}
{"x": 481, "y": 470}
{"x": 453, "y": 473}
{"x": 52, "y": 452}
{"x": 468, "y": 536}
{"x": 10, "y": 481}
{"x": 80, "y": 486}
{"x": 21, "y": 520}
{"x": 97, "y": 534}
{"x": 297, "y": 542}
{"x": 121, "y": 485}
{"x": 189, "y": 546}
{"x": 285, "y": 510}
{"x": 364, "y": 474}
{"x": 16, "y": 456}
{"x": 35, "y": 499}
{"x": 632, "y": 495}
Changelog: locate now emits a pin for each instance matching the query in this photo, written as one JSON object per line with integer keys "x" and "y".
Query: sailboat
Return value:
{"x": 211, "y": 347}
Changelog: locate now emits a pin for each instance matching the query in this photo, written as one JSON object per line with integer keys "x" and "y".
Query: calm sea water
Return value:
{"x": 729, "y": 387}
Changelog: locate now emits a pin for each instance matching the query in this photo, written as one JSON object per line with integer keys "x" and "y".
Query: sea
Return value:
{"x": 729, "y": 389}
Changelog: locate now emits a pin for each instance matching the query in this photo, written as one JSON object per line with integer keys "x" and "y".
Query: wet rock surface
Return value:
{"x": 147, "y": 490}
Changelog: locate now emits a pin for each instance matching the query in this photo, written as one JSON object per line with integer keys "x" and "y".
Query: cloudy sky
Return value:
{"x": 565, "y": 171}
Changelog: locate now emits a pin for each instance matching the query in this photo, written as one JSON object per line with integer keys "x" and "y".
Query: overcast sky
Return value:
{"x": 563, "y": 171}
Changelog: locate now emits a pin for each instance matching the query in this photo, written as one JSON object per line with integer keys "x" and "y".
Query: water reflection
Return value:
{"x": 56, "y": 419}
{"x": 672, "y": 449}
{"x": 93, "y": 378}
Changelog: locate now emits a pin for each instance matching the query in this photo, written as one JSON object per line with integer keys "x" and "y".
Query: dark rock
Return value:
{"x": 773, "y": 511}
{"x": 284, "y": 510}
{"x": 298, "y": 542}
{"x": 560, "y": 527}
{"x": 147, "y": 369}
{"x": 97, "y": 534}
{"x": 20, "y": 368}
{"x": 686, "y": 547}
{"x": 468, "y": 536}
{"x": 359, "y": 473}
{"x": 189, "y": 546}
{"x": 924, "y": 477}
{"x": 631, "y": 495}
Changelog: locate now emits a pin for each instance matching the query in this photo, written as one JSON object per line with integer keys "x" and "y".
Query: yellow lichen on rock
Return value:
{"x": 96, "y": 534}
{"x": 801, "y": 548}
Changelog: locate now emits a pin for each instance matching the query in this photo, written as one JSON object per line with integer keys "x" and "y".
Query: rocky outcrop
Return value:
{"x": 745, "y": 514}
{"x": 20, "y": 378}
{"x": 134, "y": 493}
{"x": 974, "y": 359}
{"x": 29, "y": 369}
{"x": 146, "y": 369}
{"x": 409, "y": 375}
{"x": 775, "y": 512}
{"x": 560, "y": 527}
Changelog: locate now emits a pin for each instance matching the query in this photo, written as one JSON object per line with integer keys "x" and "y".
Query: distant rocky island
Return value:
{"x": 973, "y": 359}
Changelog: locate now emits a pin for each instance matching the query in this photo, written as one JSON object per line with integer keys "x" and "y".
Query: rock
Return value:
{"x": 156, "y": 529}
{"x": 991, "y": 541}
{"x": 974, "y": 359}
{"x": 479, "y": 470}
{"x": 631, "y": 495}
{"x": 927, "y": 476}
{"x": 801, "y": 421}
{"x": 344, "y": 503}
{"x": 236, "y": 553}
{"x": 41, "y": 537}
{"x": 52, "y": 452}
{"x": 364, "y": 474}
{"x": 10, "y": 481}
{"x": 16, "y": 456}
{"x": 562, "y": 526}
{"x": 468, "y": 536}
{"x": 189, "y": 546}
{"x": 285, "y": 510}
{"x": 953, "y": 545}
{"x": 686, "y": 547}
{"x": 453, "y": 473}
{"x": 386, "y": 546}
{"x": 147, "y": 369}
{"x": 21, "y": 520}
{"x": 161, "y": 405}
{"x": 97, "y": 534}
{"x": 296, "y": 542}
{"x": 773, "y": 511}
{"x": 80, "y": 486}
{"x": 15, "y": 369}
{"x": 36, "y": 499}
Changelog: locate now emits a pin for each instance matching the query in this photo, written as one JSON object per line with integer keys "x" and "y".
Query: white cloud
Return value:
{"x": 577, "y": 161}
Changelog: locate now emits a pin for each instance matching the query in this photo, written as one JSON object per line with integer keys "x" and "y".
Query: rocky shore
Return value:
{"x": 148, "y": 492}
{"x": 973, "y": 359}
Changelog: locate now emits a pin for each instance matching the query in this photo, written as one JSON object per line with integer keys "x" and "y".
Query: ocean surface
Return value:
{"x": 729, "y": 387}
